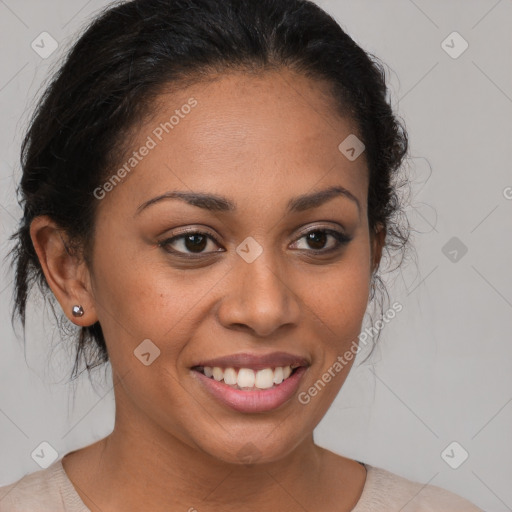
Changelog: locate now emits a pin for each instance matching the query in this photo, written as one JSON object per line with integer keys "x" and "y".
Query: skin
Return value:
{"x": 259, "y": 140}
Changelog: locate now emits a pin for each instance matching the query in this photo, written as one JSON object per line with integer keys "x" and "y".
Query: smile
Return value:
{"x": 251, "y": 383}
{"x": 247, "y": 379}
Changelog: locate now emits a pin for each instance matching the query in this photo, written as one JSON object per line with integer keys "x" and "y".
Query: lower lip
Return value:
{"x": 253, "y": 401}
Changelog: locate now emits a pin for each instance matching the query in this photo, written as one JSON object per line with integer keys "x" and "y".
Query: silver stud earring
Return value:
{"x": 78, "y": 310}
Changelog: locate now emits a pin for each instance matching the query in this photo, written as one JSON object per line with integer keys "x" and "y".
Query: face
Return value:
{"x": 256, "y": 277}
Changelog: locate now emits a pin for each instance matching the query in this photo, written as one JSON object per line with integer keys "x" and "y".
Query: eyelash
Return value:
{"x": 340, "y": 238}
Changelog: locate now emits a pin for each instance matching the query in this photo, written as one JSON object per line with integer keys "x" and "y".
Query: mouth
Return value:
{"x": 248, "y": 379}
{"x": 251, "y": 383}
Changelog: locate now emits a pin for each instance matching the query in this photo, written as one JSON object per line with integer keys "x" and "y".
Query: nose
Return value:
{"x": 258, "y": 299}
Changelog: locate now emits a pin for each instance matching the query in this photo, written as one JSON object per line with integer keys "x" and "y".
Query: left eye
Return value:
{"x": 317, "y": 239}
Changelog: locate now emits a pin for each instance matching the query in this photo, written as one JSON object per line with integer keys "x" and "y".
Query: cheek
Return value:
{"x": 128, "y": 283}
{"x": 339, "y": 298}
{"x": 338, "y": 301}
{"x": 337, "y": 306}
{"x": 135, "y": 299}
{"x": 138, "y": 301}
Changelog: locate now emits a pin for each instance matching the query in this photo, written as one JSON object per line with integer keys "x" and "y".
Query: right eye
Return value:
{"x": 193, "y": 241}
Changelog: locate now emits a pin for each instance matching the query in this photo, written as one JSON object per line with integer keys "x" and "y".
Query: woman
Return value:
{"x": 208, "y": 188}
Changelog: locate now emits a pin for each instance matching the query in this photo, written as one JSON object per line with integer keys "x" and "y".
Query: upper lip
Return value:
{"x": 255, "y": 361}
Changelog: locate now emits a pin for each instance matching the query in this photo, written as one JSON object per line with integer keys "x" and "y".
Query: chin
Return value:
{"x": 253, "y": 449}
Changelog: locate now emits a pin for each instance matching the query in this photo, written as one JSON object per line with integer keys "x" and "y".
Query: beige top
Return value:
{"x": 50, "y": 490}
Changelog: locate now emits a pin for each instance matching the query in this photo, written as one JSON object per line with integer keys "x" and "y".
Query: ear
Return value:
{"x": 378, "y": 240}
{"x": 66, "y": 273}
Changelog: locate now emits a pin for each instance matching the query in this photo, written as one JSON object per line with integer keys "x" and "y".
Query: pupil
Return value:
{"x": 314, "y": 237}
{"x": 198, "y": 247}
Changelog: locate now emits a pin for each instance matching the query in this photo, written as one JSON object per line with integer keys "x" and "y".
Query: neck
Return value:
{"x": 182, "y": 477}
{"x": 140, "y": 466}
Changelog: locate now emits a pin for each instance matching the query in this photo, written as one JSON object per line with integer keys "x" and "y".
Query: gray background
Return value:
{"x": 442, "y": 371}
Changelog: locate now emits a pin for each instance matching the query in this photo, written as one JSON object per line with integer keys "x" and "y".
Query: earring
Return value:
{"x": 78, "y": 310}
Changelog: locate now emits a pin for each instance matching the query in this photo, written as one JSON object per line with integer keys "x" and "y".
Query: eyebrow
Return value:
{"x": 218, "y": 203}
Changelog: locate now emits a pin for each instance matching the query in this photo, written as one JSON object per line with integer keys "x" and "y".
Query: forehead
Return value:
{"x": 245, "y": 133}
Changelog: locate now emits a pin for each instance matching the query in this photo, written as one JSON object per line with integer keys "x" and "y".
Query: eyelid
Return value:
{"x": 193, "y": 231}
{"x": 322, "y": 227}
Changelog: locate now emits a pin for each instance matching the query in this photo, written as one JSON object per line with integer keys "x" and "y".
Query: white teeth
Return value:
{"x": 218, "y": 374}
{"x": 278, "y": 375}
{"x": 264, "y": 378}
{"x": 247, "y": 378}
{"x": 230, "y": 376}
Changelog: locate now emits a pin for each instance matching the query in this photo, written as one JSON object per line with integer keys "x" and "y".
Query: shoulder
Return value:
{"x": 387, "y": 491}
{"x": 45, "y": 490}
